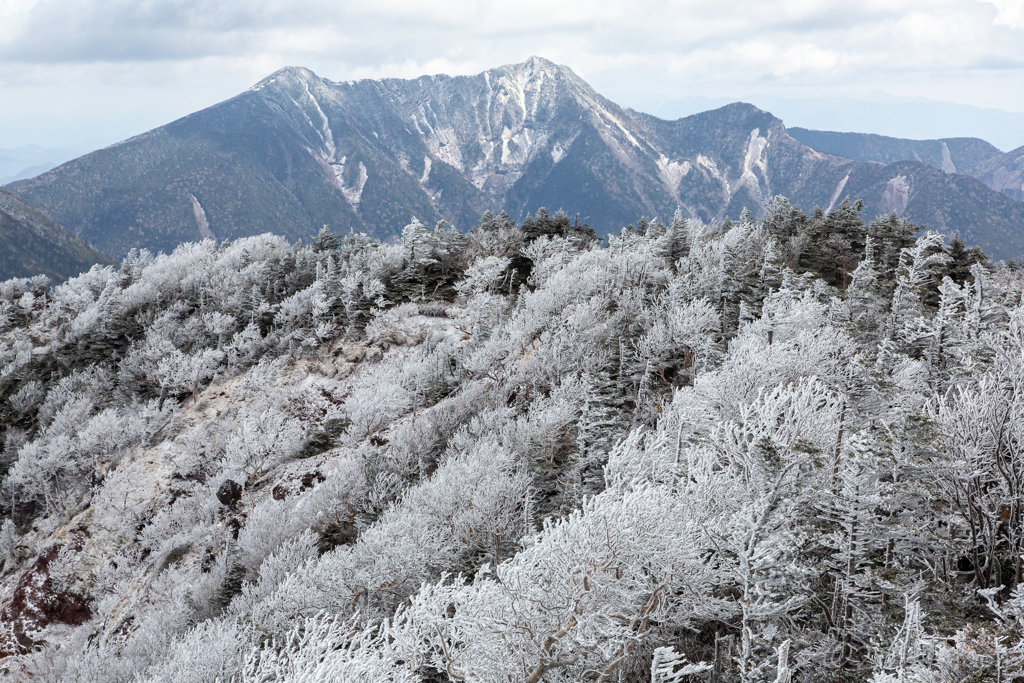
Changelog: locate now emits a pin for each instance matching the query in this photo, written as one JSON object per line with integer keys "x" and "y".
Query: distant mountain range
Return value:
{"x": 297, "y": 152}
{"x": 32, "y": 244}
{"x": 876, "y": 112}
{"x": 29, "y": 161}
{"x": 1001, "y": 171}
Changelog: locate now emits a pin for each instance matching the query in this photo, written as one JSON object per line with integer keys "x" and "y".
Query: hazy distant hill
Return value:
{"x": 297, "y": 152}
{"x": 30, "y": 160}
{"x": 31, "y": 244}
{"x": 952, "y": 155}
{"x": 1003, "y": 172}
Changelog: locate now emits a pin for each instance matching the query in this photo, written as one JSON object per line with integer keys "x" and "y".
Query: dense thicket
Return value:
{"x": 788, "y": 449}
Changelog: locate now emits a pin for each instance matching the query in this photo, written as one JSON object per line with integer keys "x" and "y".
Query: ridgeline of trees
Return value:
{"x": 789, "y": 449}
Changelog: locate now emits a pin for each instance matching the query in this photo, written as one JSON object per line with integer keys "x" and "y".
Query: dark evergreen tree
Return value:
{"x": 559, "y": 225}
{"x": 787, "y": 224}
{"x": 834, "y": 242}
{"x": 892, "y": 235}
{"x": 961, "y": 259}
{"x": 679, "y": 237}
{"x": 326, "y": 241}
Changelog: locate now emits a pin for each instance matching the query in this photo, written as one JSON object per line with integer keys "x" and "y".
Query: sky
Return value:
{"x": 81, "y": 74}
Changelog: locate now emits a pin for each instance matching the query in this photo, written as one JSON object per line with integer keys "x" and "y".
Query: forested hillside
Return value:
{"x": 785, "y": 449}
{"x": 31, "y": 244}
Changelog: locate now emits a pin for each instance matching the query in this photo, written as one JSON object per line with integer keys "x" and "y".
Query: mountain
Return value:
{"x": 32, "y": 244}
{"x": 876, "y": 112}
{"x": 297, "y": 152}
{"x": 30, "y": 160}
{"x": 29, "y": 172}
{"x": 1003, "y": 172}
{"x": 968, "y": 156}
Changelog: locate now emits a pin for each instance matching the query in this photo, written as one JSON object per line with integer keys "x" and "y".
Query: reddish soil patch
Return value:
{"x": 37, "y": 602}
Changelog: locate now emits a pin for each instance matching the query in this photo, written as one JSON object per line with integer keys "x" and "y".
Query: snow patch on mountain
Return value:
{"x": 353, "y": 193}
{"x": 896, "y": 195}
{"x": 711, "y": 167}
{"x": 416, "y": 123}
{"x": 518, "y": 147}
{"x": 558, "y": 152}
{"x": 607, "y": 122}
{"x": 629, "y": 136}
{"x": 947, "y": 160}
{"x": 755, "y": 159}
{"x": 835, "y": 195}
{"x": 309, "y": 121}
{"x": 443, "y": 143}
{"x": 337, "y": 168}
{"x": 562, "y": 147}
{"x": 200, "y": 214}
{"x": 536, "y": 98}
{"x": 325, "y": 130}
{"x": 672, "y": 173}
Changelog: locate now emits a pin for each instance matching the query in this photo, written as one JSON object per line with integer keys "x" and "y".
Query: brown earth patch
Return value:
{"x": 38, "y": 602}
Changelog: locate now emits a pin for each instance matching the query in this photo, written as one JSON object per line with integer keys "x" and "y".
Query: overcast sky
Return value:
{"x": 90, "y": 72}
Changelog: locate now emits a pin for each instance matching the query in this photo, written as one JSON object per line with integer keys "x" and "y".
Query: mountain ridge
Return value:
{"x": 31, "y": 244}
{"x": 1000, "y": 171}
{"x": 296, "y": 152}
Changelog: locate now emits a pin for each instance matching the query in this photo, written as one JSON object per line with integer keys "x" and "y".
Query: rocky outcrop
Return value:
{"x": 1006, "y": 174}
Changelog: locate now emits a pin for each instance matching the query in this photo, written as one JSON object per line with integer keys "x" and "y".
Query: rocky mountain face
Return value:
{"x": 297, "y": 152}
{"x": 31, "y": 244}
{"x": 1003, "y": 172}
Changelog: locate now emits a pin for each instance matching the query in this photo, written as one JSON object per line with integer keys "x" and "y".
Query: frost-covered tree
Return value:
{"x": 783, "y": 449}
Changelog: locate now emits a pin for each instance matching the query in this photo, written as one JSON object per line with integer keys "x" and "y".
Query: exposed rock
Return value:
{"x": 353, "y": 353}
{"x": 311, "y": 479}
{"x": 229, "y": 492}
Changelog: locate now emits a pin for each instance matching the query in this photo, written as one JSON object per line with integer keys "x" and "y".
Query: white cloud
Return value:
{"x": 1009, "y": 13}
{"x": 960, "y": 50}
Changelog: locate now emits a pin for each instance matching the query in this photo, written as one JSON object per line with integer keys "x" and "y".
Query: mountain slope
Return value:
{"x": 947, "y": 202}
{"x": 1005, "y": 174}
{"x": 31, "y": 160}
{"x": 297, "y": 152}
{"x": 968, "y": 156}
{"x": 984, "y": 219}
{"x": 1002, "y": 172}
{"x": 32, "y": 244}
{"x": 259, "y": 461}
